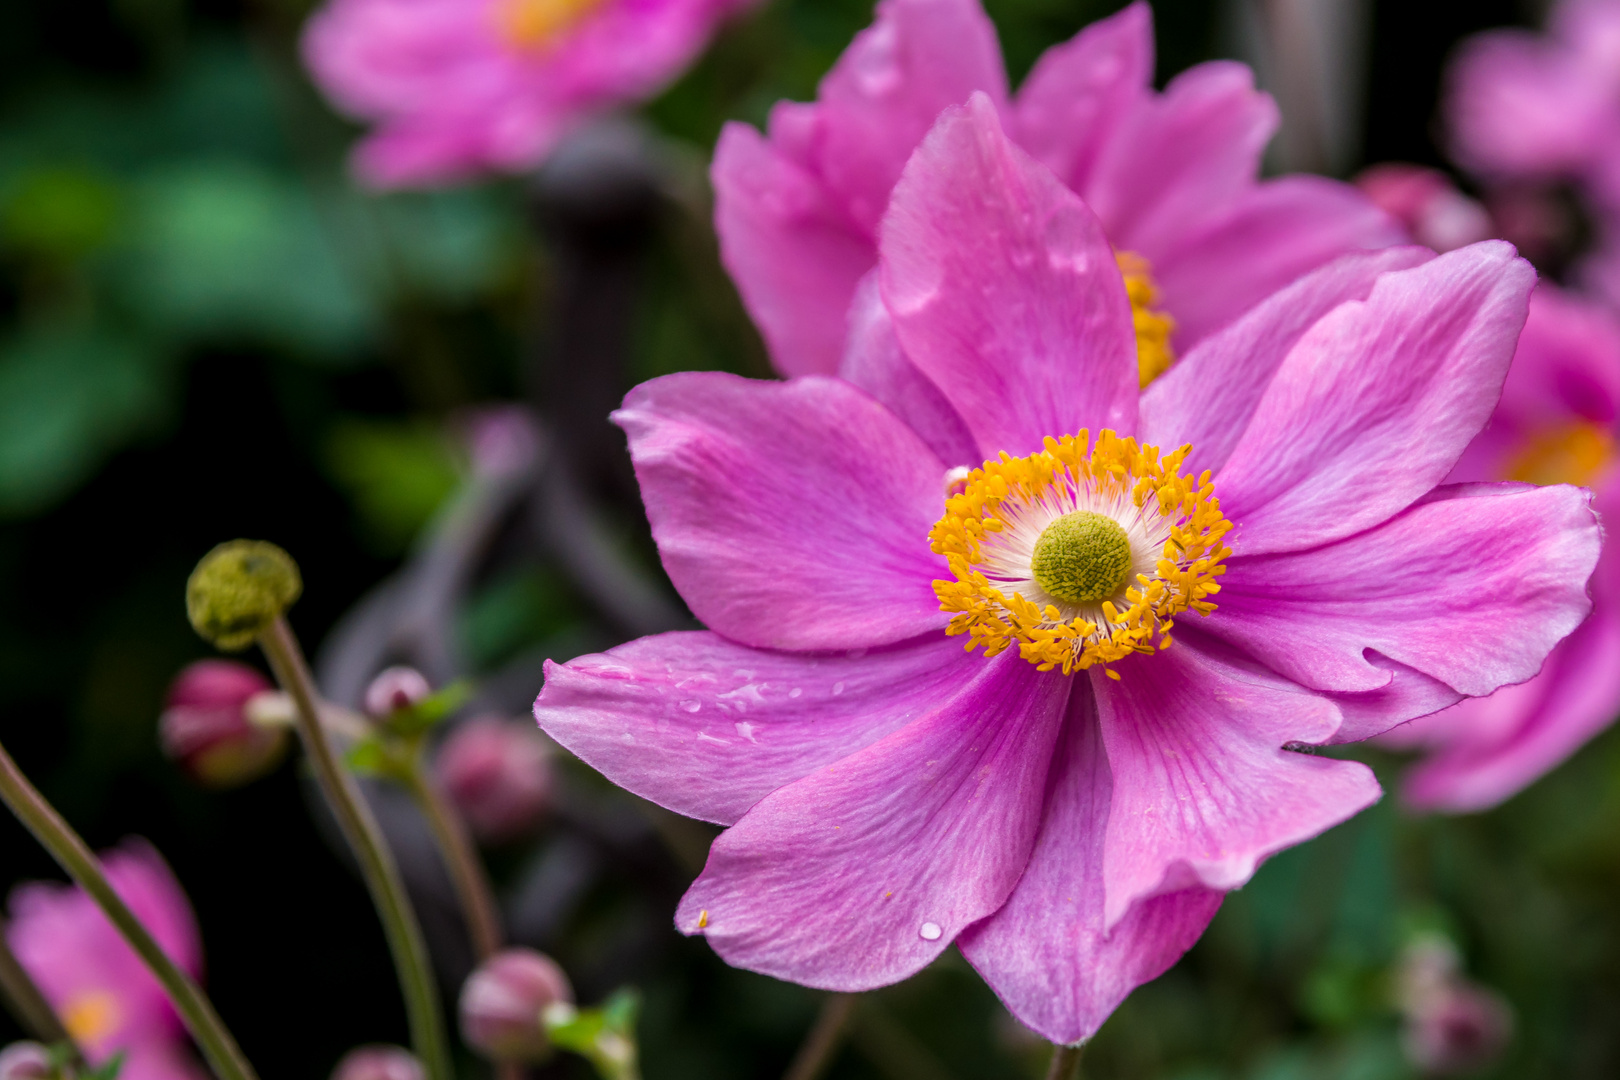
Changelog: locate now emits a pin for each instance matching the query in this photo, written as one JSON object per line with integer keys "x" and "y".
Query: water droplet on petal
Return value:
{"x": 795, "y": 692}
{"x": 930, "y": 931}
{"x": 692, "y": 705}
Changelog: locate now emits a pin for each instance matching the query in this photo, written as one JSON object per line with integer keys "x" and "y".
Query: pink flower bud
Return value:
{"x": 502, "y": 1003}
{"x": 1425, "y": 201}
{"x": 498, "y": 774}
{"x": 379, "y": 1063}
{"x": 25, "y": 1061}
{"x": 395, "y": 688}
{"x": 1459, "y": 1031}
{"x": 205, "y": 726}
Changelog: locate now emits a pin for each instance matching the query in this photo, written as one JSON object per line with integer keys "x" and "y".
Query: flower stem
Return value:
{"x": 25, "y": 999}
{"x": 466, "y": 871}
{"x": 75, "y": 856}
{"x": 825, "y": 1036}
{"x": 1065, "y": 1063}
{"x": 370, "y": 849}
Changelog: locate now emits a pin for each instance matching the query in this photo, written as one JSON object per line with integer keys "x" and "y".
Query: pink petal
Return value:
{"x": 1376, "y": 402}
{"x": 789, "y": 515}
{"x": 1209, "y": 397}
{"x": 1517, "y": 106}
{"x": 792, "y": 250}
{"x": 1276, "y": 232}
{"x": 1047, "y": 952}
{"x": 1473, "y": 586}
{"x": 887, "y": 89}
{"x": 1489, "y": 749}
{"x": 1182, "y": 159}
{"x": 863, "y": 872}
{"x": 1080, "y": 91}
{"x": 1004, "y": 291}
{"x": 707, "y": 728}
{"x": 1409, "y": 693}
{"x": 874, "y": 361}
{"x": 1203, "y": 791}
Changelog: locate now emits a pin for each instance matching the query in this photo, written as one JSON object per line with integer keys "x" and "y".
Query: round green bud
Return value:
{"x": 1082, "y": 557}
{"x": 238, "y": 590}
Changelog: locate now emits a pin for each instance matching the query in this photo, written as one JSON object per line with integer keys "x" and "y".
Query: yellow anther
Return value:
{"x": 703, "y": 918}
{"x": 1573, "y": 453}
{"x": 1022, "y": 497}
{"x": 535, "y": 24}
{"x": 1154, "y": 326}
{"x": 91, "y": 1016}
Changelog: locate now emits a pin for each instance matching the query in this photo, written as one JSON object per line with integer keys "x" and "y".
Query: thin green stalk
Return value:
{"x": 1065, "y": 1063}
{"x": 370, "y": 849}
{"x": 466, "y": 871}
{"x": 25, "y": 1000}
{"x": 825, "y": 1037}
{"x": 215, "y": 1041}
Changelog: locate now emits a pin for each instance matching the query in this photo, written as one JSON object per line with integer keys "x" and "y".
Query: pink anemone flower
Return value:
{"x": 1556, "y": 423}
{"x": 1523, "y": 106}
{"x": 1172, "y": 176}
{"x": 463, "y": 87}
{"x": 1067, "y": 799}
{"x": 105, "y": 995}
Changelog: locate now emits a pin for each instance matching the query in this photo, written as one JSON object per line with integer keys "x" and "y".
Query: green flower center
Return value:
{"x": 1082, "y": 557}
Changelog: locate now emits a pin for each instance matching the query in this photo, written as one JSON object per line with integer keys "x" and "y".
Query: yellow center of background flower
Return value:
{"x": 91, "y": 1016}
{"x": 1153, "y": 325}
{"x": 535, "y": 24}
{"x": 1573, "y": 453}
{"x": 995, "y": 526}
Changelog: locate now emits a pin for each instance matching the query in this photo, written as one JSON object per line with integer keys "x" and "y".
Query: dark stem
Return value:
{"x": 24, "y": 999}
{"x": 824, "y": 1039}
{"x": 1065, "y": 1063}
{"x": 81, "y": 864}
{"x": 370, "y": 850}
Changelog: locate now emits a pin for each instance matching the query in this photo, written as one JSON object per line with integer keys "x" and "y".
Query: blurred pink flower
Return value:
{"x": 1172, "y": 176}
{"x": 379, "y": 1063}
{"x": 205, "y": 727}
{"x": 1070, "y": 805}
{"x": 395, "y": 688}
{"x": 1425, "y": 201}
{"x": 1556, "y": 423}
{"x": 1452, "y": 1025}
{"x": 1522, "y": 105}
{"x": 497, "y": 772}
{"x": 462, "y": 87}
{"x": 103, "y": 993}
{"x": 25, "y": 1061}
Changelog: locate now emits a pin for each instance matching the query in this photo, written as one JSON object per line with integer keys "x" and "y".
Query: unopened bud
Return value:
{"x": 379, "y": 1063}
{"x": 502, "y": 1003}
{"x": 395, "y": 688}
{"x": 26, "y": 1061}
{"x": 238, "y": 590}
{"x": 1460, "y": 1031}
{"x": 207, "y": 726}
{"x": 497, "y": 772}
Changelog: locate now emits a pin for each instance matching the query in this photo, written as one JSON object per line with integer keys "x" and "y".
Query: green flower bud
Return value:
{"x": 238, "y": 590}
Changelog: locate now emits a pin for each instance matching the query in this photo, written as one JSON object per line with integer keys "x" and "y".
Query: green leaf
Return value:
{"x": 397, "y": 475}
{"x": 605, "y": 1036}
{"x": 425, "y": 714}
{"x": 369, "y": 757}
{"x": 107, "y": 1070}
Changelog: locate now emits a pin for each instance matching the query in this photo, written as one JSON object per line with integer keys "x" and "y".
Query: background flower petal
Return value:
{"x": 1004, "y": 290}
{"x": 1079, "y": 93}
{"x": 863, "y": 872}
{"x": 792, "y": 251}
{"x": 789, "y": 515}
{"x": 707, "y": 728}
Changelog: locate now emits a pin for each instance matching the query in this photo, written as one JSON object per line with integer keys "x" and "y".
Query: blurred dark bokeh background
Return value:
{"x": 207, "y": 332}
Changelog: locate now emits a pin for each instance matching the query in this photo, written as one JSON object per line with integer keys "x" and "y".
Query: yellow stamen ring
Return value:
{"x": 537, "y": 24}
{"x": 1003, "y": 591}
{"x": 1154, "y": 326}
